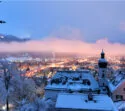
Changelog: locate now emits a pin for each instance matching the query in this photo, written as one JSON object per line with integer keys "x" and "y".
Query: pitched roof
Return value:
{"x": 116, "y": 82}
{"x": 76, "y": 84}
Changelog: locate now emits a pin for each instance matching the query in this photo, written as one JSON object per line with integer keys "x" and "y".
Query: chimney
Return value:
{"x": 90, "y": 96}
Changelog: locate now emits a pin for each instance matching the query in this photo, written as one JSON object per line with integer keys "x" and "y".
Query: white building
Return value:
{"x": 102, "y": 73}
{"x": 71, "y": 82}
{"x": 82, "y": 102}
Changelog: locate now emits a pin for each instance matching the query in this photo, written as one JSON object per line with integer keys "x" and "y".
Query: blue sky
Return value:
{"x": 38, "y": 19}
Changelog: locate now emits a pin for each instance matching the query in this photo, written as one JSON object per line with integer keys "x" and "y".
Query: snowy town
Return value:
{"x": 64, "y": 89}
{"x": 62, "y": 55}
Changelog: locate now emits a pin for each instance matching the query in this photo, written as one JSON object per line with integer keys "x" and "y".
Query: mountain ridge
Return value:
{"x": 11, "y": 38}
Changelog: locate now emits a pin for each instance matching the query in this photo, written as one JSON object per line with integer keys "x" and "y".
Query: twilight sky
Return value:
{"x": 88, "y": 21}
{"x": 37, "y": 19}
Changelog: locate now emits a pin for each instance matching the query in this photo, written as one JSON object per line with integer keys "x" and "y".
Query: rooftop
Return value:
{"x": 116, "y": 81}
{"x": 80, "y": 101}
{"x": 74, "y": 80}
{"x": 120, "y": 105}
{"x": 102, "y": 60}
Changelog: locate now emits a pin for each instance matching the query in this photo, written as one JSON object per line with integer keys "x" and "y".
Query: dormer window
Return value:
{"x": 123, "y": 89}
{"x": 119, "y": 97}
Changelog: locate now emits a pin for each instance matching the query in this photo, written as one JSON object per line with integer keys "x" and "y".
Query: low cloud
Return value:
{"x": 73, "y": 45}
{"x": 63, "y": 45}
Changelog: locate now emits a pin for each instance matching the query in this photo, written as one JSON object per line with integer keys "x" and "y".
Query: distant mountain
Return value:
{"x": 11, "y": 38}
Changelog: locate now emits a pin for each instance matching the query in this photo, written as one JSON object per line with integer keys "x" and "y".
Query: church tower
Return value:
{"x": 102, "y": 64}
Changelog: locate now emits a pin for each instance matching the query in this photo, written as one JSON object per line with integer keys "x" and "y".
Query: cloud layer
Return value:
{"x": 63, "y": 45}
{"x": 63, "y": 42}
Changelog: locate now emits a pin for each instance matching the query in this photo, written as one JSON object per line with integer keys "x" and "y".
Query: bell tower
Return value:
{"x": 102, "y": 64}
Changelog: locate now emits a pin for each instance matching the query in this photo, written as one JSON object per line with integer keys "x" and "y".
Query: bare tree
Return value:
{"x": 7, "y": 77}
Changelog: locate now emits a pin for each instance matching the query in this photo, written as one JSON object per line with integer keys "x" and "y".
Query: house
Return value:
{"x": 84, "y": 102}
{"x": 71, "y": 82}
{"x": 117, "y": 87}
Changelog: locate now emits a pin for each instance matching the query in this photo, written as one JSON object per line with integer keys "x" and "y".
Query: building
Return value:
{"x": 102, "y": 73}
{"x": 84, "y": 102}
{"x": 71, "y": 82}
{"x": 79, "y": 91}
{"x": 117, "y": 87}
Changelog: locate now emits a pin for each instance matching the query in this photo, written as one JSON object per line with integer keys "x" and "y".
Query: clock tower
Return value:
{"x": 102, "y": 64}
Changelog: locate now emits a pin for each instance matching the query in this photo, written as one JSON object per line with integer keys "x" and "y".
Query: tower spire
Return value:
{"x": 102, "y": 51}
{"x": 102, "y": 54}
{"x": 102, "y": 63}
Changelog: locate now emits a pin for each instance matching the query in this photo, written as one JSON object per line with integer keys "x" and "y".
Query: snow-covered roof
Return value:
{"x": 80, "y": 101}
{"x": 113, "y": 87}
{"x": 102, "y": 60}
{"x": 74, "y": 85}
{"x": 116, "y": 82}
{"x": 120, "y": 105}
{"x": 18, "y": 58}
{"x": 3, "y": 60}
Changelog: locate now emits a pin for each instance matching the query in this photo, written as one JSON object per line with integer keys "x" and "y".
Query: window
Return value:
{"x": 86, "y": 82}
{"x": 119, "y": 97}
{"x": 123, "y": 89}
